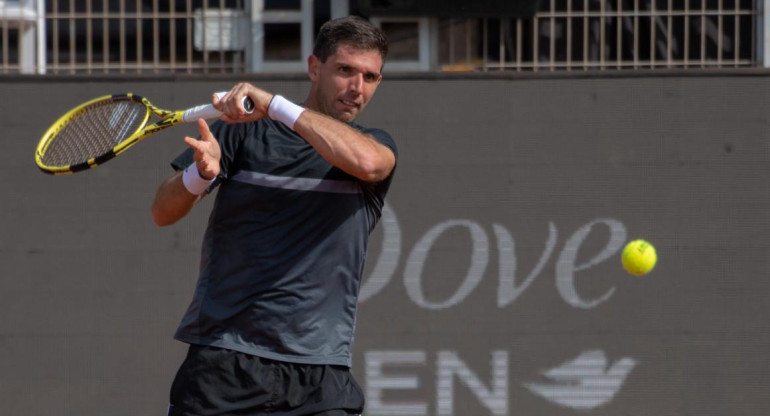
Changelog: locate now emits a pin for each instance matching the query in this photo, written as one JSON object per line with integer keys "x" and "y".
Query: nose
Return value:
{"x": 357, "y": 83}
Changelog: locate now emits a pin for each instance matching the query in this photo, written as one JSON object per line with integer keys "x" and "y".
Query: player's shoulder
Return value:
{"x": 379, "y": 134}
{"x": 366, "y": 129}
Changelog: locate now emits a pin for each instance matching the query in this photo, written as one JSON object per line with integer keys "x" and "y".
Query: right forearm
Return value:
{"x": 172, "y": 201}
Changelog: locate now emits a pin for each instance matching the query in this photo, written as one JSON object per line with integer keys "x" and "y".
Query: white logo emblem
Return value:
{"x": 585, "y": 382}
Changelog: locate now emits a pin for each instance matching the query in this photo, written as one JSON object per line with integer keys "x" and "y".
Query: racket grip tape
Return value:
{"x": 207, "y": 111}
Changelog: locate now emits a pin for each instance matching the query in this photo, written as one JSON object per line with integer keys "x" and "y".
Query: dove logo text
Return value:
{"x": 510, "y": 287}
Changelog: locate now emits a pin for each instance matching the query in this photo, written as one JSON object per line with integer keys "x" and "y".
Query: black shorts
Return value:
{"x": 215, "y": 381}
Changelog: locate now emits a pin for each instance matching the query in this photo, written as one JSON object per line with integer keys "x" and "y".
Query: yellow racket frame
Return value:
{"x": 168, "y": 118}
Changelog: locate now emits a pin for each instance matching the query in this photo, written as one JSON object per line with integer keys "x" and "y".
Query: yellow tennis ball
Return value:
{"x": 639, "y": 257}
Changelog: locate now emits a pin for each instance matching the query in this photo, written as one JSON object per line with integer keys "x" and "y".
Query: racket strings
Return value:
{"x": 95, "y": 131}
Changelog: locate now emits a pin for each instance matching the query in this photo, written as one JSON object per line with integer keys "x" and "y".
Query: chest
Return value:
{"x": 283, "y": 153}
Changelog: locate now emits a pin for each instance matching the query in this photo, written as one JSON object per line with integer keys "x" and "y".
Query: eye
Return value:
{"x": 344, "y": 69}
{"x": 370, "y": 77}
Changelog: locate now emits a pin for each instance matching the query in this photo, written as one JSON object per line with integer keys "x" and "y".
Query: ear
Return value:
{"x": 313, "y": 67}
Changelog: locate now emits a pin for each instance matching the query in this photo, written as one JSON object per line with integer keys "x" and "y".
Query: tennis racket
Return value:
{"x": 98, "y": 130}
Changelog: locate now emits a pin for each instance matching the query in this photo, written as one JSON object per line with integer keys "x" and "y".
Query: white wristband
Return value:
{"x": 284, "y": 111}
{"x": 193, "y": 182}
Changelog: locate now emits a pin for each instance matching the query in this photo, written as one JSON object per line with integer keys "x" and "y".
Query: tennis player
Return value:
{"x": 300, "y": 188}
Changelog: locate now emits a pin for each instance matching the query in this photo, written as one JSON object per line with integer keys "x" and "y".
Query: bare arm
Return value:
{"x": 172, "y": 199}
{"x": 354, "y": 152}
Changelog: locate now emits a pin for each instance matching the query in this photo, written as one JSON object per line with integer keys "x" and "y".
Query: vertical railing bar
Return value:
{"x": 139, "y": 37}
{"x": 720, "y": 33}
{"x": 204, "y": 37}
{"x": 306, "y": 33}
{"x": 519, "y": 42}
{"x": 586, "y": 23}
{"x": 653, "y": 20}
{"x": 54, "y": 16}
{"x": 669, "y": 34}
{"x": 755, "y": 21}
{"x": 241, "y": 53}
{"x": 6, "y": 44}
{"x": 188, "y": 20}
{"x": 484, "y": 43}
{"x": 221, "y": 36}
{"x": 73, "y": 47}
{"x": 602, "y": 34}
{"x": 569, "y": 35}
{"x": 619, "y": 34}
{"x": 122, "y": 21}
{"x": 737, "y": 31}
{"x": 636, "y": 34}
{"x": 89, "y": 36}
{"x": 703, "y": 34}
{"x": 686, "y": 59}
{"x": 501, "y": 48}
{"x": 552, "y": 43}
{"x": 451, "y": 33}
{"x": 155, "y": 36}
{"x": 535, "y": 44}
{"x": 172, "y": 36}
{"x": 105, "y": 36}
{"x": 469, "y": 41}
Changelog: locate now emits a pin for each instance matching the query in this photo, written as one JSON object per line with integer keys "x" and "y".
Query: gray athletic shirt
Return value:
{"x": 284, "y": 250}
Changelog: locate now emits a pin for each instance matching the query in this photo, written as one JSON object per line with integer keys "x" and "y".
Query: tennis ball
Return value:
{"x": 639, "y": 257}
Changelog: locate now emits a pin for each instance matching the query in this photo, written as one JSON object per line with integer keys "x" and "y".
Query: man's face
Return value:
{"x": 344, "y": 84}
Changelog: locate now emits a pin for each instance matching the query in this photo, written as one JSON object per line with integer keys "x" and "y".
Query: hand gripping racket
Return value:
{"x": 98, "y": 130}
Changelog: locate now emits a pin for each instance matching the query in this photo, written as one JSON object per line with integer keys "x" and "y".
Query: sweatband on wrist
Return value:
{"x": 283, "y": 110}
{"x": 193, "y": 181}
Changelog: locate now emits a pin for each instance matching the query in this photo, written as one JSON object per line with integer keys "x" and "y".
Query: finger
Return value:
{"x": 216, "y": 101}
{"x": 193, "y": 143}
{"x": 243, "y": 92}
{"x": 236, "y": 96}
{"x": 223, "y": 103}
{"x": 203, "y": 129}
{"x": 199, "y": 146}
{"x": 199, "y": 153}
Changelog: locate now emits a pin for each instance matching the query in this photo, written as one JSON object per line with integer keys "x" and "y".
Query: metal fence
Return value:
{"x": 628, "y": 34}
{"x": 239, "y": 36}
{"x": 135, "y": 36}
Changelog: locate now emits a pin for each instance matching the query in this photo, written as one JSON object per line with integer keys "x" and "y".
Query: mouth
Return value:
{"x": 350, "y": 105}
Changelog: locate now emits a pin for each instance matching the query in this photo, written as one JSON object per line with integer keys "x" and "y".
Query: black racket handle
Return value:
{"x": 248, "y": 105}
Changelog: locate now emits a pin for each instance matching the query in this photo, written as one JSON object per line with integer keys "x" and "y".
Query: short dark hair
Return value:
{"x": 353, "y": 31}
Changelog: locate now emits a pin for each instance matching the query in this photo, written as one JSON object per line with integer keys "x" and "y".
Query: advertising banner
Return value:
{"x": 494, "y": 283}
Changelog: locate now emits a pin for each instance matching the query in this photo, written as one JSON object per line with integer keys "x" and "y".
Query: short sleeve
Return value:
{"x": 375, "y": 192}
{"x": 384, "y": 139}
